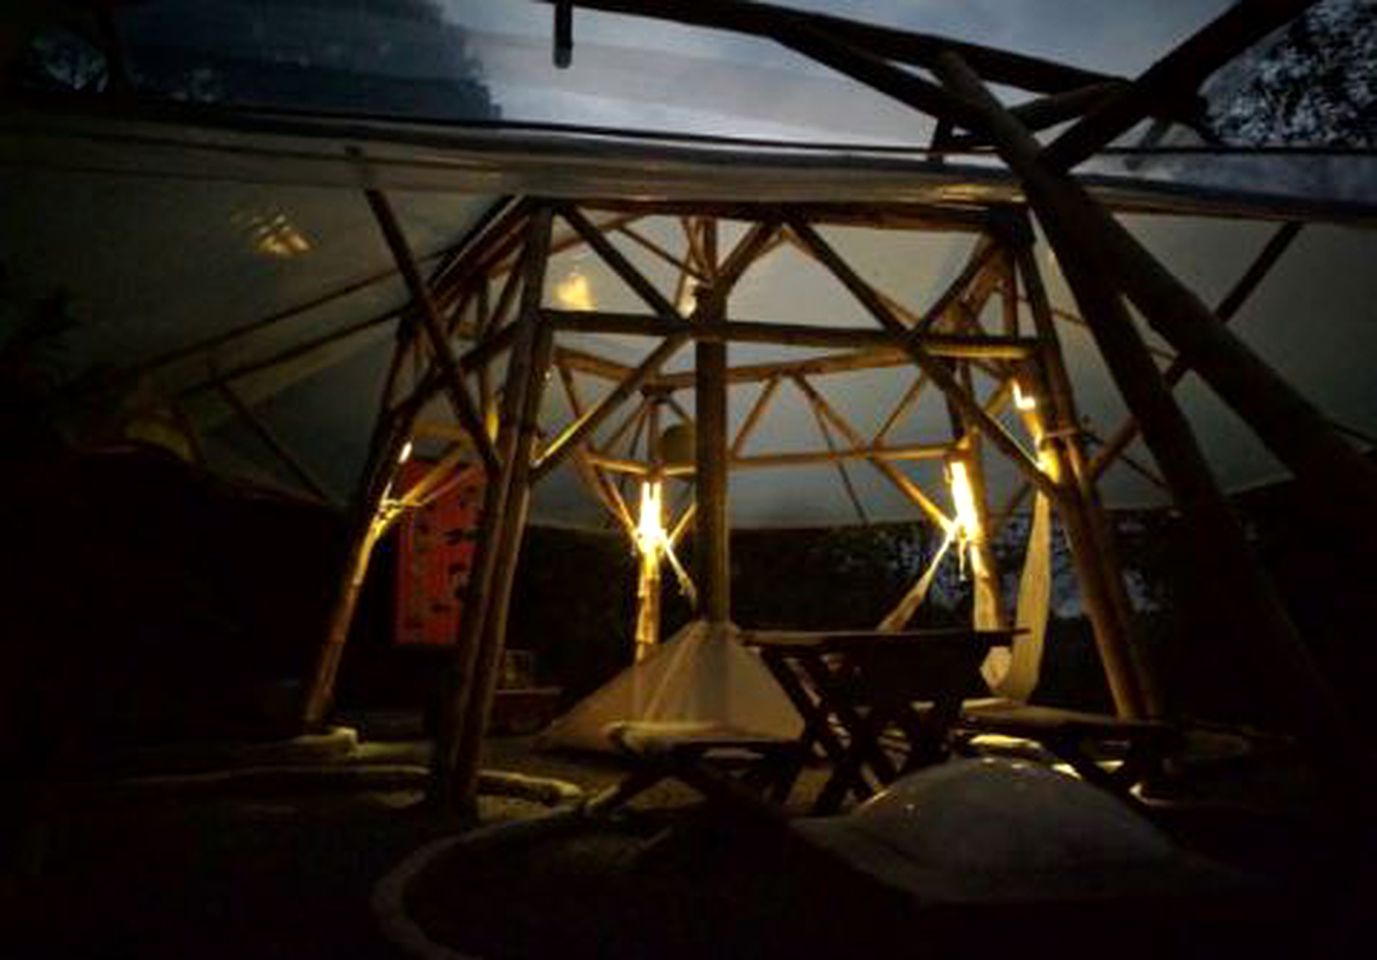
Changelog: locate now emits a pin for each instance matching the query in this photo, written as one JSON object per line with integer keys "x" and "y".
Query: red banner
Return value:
{"x": 434, "y": 554}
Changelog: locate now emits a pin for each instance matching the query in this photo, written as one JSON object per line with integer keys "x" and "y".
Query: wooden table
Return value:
{"x": 852, "y": 686}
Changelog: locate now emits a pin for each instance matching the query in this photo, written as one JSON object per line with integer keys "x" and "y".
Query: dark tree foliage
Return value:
{"x": 1313, "y": 83}
{"x": 386, "y": 57}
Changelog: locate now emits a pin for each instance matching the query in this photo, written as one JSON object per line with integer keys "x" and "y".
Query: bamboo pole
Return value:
{"x": 762, "y": 403}
{"x": 390, "y": 432}
{"x": 957, "y": 346}
{"x": 507, "y": 549}
{"x": 985, "y": 249}
{"x": 622, "y": 267}
{"x": 1092, "y": 542}
{"x": 893, "y": 215}
{"x": 900, "y": 480}
{"x": 842, "y": 362}
{"x": 905, "y": 403}
{"x": 792, "y": 458}
{"x": 1121, "y": 438}
{"x": 681, "y": 264}
{"x": 710, "y": 407}
{"x": 583, "y": 427}
{"x": 433, "y": 325}
{"x": 840, "y": 464}
{"x": 453, "y": 781}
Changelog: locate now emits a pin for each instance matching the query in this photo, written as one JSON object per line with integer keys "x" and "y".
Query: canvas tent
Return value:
{"x": 283, "y": 246}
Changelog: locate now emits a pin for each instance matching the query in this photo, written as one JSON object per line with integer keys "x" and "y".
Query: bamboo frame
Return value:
{"x": 433, "y": 324}
{"x": 1071, "y": 219}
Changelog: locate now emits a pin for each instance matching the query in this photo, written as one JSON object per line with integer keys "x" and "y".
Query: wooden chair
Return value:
{"x": 1077, "y": 738}
{"x": 732, "y": 768}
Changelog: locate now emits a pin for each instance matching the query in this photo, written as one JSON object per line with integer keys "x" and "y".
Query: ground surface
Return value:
{"x": 273, "y": 872}
{"x": 710, "y": 888}
{"x": 272, "y": 876}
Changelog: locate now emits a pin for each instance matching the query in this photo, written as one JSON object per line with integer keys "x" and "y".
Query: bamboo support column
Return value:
{"x": 454, "y": 772}
{"x": 711, "y": 530}
{"x": 380, "y": 467}
{"x": 507, "y": 550}
{"x": 1088, "y": 533}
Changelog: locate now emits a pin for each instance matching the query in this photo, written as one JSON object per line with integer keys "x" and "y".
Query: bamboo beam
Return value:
{"x": 980, "y": 257}
{"x": 582, "y": 428}
{"x": 303, "y": 474}
{"x": 839, "y": 463}
{"x": 763, "y": 19}
{"x": 621, "y": 266}
{"x": 637, "y": 468}
{"x": 1228, "y": 307}
{"x": 422, "y": 490}
{"x": 677, "y": 263}
{"x": 936, "y": 371}
{"x": 583, "y": 362}
{"x": 984, "y": 347}
{"x": 1054, "y": 108}
{"x": 1177, "y": 74}
{"x": 630, "y": 424}
{"x": 901, "y": 215}
{"x": 590, "y": 475}
{"x": 905, "y": 403}
{"x": 874, "y": 359}
{"x": 900, "y": 480}
{"x": 433, "y": 325}
{"x": 748, "y": 425}
{"x": 913, "y": 451}
{"x": 1094, "y": 552}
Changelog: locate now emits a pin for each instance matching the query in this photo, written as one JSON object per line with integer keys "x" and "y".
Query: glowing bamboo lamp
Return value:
{"x": 651, "y": 541}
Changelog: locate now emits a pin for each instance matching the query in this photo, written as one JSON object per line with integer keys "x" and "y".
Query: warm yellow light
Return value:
{"x": 574, "y": 292}
{"x": 405, "y": 455}
{"x": 650, "y": 528}
{"x": 963, "y": 498}
{"x": 1023, "y": 401}
{"x": 688, "y": 300}
{"x": 277, "y": 237}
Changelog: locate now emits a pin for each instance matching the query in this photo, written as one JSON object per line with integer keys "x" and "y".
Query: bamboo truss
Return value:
{"x": 484, "y": 305}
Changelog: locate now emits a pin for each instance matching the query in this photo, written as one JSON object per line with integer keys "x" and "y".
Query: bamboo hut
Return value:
{"x": 987, "y": 315}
